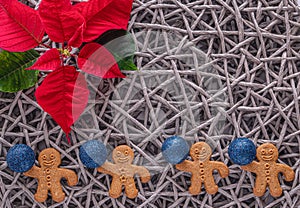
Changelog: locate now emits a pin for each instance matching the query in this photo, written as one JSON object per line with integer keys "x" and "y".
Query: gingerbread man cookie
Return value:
{"x": 202, "y": 169}
{"x": 123, "y": 172}
{"x": 267, "y": 171}
{"x": 49, "y": 176}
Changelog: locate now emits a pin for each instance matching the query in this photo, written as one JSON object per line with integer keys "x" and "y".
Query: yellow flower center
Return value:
{"x": 65, "y": 52}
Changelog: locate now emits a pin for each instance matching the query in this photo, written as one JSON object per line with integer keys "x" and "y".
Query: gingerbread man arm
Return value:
{"x": 221, "y": 168}
{"x": 287, "y": 171}
{"x": 34, "y": 172}
{"x": 107, "y": 168}
{"x": 142, "y": 172}
{"x": 185, "y": 166}
{"x": 70, "y": 175}
{"x": 252, "y": 167}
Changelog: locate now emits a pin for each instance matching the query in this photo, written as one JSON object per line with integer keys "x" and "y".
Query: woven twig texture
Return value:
{"x": 210, "y": 70}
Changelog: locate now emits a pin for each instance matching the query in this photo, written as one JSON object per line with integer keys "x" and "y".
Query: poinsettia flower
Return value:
{"x": 64, "y": 93}
{"x": 83, "y": 22}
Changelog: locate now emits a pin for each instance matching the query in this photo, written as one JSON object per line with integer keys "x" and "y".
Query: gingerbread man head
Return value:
{"x": 123, "y": 155}
{"x": 49, "y": 158}
{"x": 200, "y": 151}
{"x": 267, "y": 152}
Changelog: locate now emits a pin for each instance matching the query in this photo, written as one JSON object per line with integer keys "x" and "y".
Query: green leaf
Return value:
{"x": 121, "y": 44}
{"x": 126, "y": 63}
{"x": 13, "y": 76}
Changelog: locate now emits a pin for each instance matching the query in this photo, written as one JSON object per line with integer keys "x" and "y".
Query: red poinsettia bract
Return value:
{"x": 20, "y": 27}
{"x": 64, "y": 93}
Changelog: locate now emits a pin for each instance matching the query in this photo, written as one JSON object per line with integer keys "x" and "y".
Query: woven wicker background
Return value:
{"x": 210, "y": 70}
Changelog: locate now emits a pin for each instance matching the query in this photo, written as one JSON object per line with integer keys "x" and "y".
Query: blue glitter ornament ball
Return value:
{"x": 93, "y": 153}
{"x": 20, "y": 158}
{"x": 175, "y": 149}
{"x": 242, "y": 151}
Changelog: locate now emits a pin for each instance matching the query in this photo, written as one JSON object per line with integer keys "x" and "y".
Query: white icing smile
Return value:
{"x": 48, "y": 163}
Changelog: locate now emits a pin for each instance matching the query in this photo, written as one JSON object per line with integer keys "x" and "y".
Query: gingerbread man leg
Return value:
{"x": 57, "y": 193}
{"x": 115, "y": 188}
{"x": 41, "y": 194}
{"x": 260, "y": 186}
{"x": 196, "y": 185}
{"x": 210, "y": 185}
{"x": 130, "y": 189}
{"x": 274, "y": 186}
